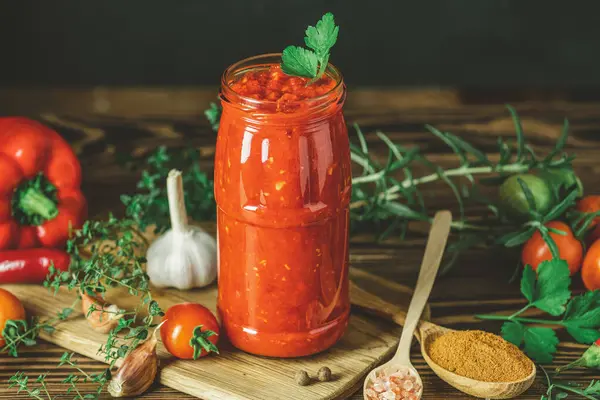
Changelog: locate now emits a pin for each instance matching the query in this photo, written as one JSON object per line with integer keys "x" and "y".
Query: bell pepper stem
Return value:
{"x": 34, "y": 202}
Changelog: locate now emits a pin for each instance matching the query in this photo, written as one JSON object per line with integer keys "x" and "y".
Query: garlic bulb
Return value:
{"x": 185, "y": 256}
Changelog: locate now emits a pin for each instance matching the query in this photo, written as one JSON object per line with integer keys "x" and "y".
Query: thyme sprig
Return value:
{"x": 39, "y": 388}
{"x": 109, "y": 254}
{"x": 150, "y": 206}
{"x": 22, "y": 332}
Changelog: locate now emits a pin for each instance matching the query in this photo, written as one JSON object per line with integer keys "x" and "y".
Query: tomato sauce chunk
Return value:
{"x": 273, "y": 85}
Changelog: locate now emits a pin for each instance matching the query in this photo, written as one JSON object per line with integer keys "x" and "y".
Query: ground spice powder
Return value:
{"x": 480, "y": 355}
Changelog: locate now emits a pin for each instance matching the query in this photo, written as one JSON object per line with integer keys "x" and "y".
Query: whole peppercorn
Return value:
{"x": 302, "y": 378}
{"x": 324, "y": 374}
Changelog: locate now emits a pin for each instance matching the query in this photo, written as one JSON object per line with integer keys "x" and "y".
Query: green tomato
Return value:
{"x": 562, "y": 178}
{"x": 514, "y": 201}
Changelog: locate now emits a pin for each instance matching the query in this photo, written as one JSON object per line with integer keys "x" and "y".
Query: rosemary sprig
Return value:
{"x": 388, "y": 195}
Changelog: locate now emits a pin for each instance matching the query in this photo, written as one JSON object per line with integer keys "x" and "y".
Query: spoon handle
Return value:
{"x": 436, "y": 243}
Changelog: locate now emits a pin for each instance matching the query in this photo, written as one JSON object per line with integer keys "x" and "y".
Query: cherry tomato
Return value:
{"x": 10, "y": 309}
{"x": 514, "y": 200}
{"x": 590, "y": 204}
{"x": 177, "y": 332}
{"x": 570, "y": 249}
{"x": 590, "y": 271}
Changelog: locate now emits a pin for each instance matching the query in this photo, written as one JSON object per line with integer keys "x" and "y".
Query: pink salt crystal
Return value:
{"x": 400, "y": 385}
{"x": 378, "y": 387}
{"x": 389, "y": 395}
{"x": 371, "y": 394}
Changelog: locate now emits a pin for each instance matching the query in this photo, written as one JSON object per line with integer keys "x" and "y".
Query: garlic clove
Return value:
{"x": 138, "y": 371}
{"x": 105, "y": 317}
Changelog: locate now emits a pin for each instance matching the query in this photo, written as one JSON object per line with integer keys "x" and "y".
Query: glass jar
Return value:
{"x": 282, "y": 186}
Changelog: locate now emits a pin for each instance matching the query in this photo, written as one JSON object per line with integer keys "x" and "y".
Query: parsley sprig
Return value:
{"x": 549, "y": 291}
{"x": 312, "y": 62}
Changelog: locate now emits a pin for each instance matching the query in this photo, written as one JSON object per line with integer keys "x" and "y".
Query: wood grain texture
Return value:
{"x": 233, "y": 374}
{"x": 479, "y": 284}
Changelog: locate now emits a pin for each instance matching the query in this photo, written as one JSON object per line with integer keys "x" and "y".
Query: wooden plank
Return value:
{"x": 234, "y": 374}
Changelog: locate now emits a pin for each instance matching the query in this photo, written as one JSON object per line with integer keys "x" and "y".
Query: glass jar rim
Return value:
{"x": 274, "y": 58}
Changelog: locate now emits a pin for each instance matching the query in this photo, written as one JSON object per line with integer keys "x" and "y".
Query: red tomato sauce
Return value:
{"x": 282, "y": 185}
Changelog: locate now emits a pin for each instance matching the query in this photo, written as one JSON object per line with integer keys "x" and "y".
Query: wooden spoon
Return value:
{"x": 427, "y": 332}
{"x": 436, "y": 243}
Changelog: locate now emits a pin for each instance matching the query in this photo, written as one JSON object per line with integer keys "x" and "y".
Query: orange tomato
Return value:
{"x": 590, "y": 271}
{"x": 570, "y": 249}
{"x": 590, "y": 204}
{"x": 178, "y": 329}
{"x": 10, "y": 309}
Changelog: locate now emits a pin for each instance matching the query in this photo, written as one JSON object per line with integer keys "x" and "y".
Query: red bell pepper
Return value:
{"x": 31, "y": 265}
{"x": 40, "y": 197}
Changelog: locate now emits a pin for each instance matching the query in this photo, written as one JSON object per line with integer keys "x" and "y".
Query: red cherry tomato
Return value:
{"x": 590, "y": 271}
{"x": 590, "y": 204}
{"x": 177, "y": 332}
{"x": 570, "y": 249}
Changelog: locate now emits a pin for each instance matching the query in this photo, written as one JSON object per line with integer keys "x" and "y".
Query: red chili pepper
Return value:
{"x": 31, "y": 265}
{"x": 40, "y": 197}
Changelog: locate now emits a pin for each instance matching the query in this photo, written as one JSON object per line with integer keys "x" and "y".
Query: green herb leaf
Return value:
{"x": 213, "y": 115}
{"x": 540, "y": 343}
{"x": 528, "y": 283}
{"x": 582, "y": 318}
{"x": 593, "y": 388}
{"x": 322, "y": 37}
{"x": 513, "y": 332}
{"x": 552, "y": 289}
{"x": 298, "y": 61}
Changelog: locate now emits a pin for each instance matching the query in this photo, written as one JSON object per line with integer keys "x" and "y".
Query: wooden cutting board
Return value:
{"x": 234, "y": 374}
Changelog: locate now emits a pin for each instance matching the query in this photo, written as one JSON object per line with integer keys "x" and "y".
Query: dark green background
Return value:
{"x": 179, "y": 42}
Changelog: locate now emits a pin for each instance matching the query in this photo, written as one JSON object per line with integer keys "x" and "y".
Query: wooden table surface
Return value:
{"x": 103, "y": 122}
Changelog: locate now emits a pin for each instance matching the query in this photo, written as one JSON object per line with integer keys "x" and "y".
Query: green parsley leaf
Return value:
{"x": 593, "y": 388}
{"x": 582, "y": 318}
{"x": 552, "y": 289}
{"x": 322, "y": 37}
{"x": 528, "y": 283}
{"x": 540, "y": 343}
{"x": 299, "y": 62}
{"x": 513, "y": 332}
